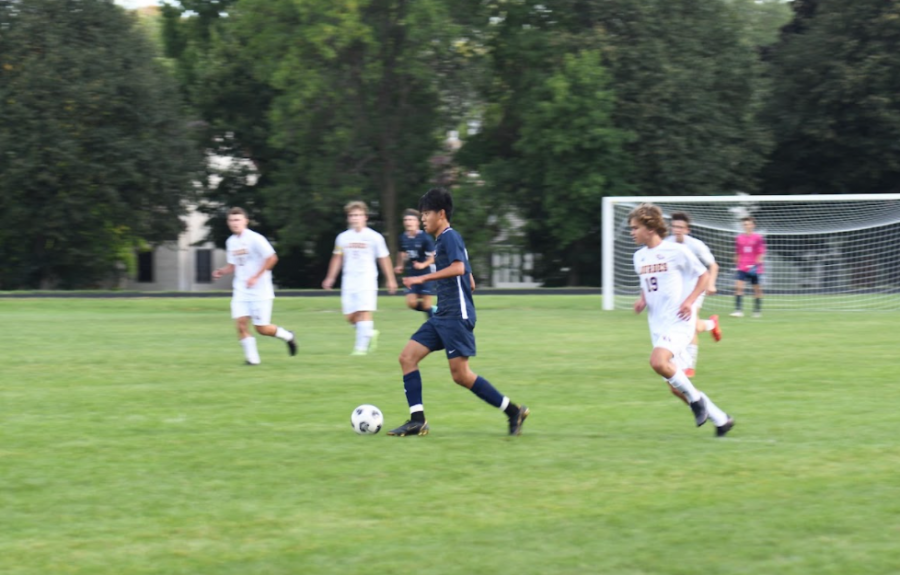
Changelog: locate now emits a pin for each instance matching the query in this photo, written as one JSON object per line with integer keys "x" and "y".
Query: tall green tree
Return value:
{"x": 95, "y": 155}
{"x": 328, "y": 101}
{"x": 835, "y": 106}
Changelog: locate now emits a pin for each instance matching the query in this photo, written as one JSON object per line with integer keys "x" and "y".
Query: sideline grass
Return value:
{"x": 135, "y": 442}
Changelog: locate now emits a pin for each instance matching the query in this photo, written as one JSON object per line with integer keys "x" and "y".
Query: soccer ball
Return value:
{"x": 366, "y": 420}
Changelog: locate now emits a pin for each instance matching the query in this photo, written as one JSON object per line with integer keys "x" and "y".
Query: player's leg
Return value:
{"x": 459, "y": 341}
{"x": 412, "y": 300}
{"x": 758, "y": 294}
{"x": 262, "y": 321}
{"x": 240, "y": 313}
{"x": 417, "y": 348}
{"x": 424, "y": 304}
{"x": 662, "y": 362}
{"x": 366, "y": 334}
{"x": 738, "y": 296}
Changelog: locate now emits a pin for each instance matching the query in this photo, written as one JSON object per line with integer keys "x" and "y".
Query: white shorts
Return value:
{"x": 352, "y": 302}
{"x": 260, "y": 310}
{"x": 675, "y": 341}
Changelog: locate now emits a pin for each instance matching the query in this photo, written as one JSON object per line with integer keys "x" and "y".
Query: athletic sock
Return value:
{"x": 412, "y": 385}
{"x": 692, "y": 352}
{"x": 738, "y": 303}
{"x": 757, "y": 305}
{"x": 364, "y": 331}
{"x": 488, "y": 393}
{"x": 680, "y": 382}
{"x": 283, "y": 334}
{"x": 250, "y": 352}
{"x": 710, "y": 324}
{"x": 717, "y": 416}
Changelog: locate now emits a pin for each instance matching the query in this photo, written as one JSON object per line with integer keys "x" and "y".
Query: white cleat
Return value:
{"x": 737, "y": 314}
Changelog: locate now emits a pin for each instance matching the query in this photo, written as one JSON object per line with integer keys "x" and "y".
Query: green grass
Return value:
{"x": 135, "y": 441}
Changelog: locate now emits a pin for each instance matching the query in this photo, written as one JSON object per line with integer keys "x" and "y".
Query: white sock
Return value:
{"x": 710, "y": 324}
{"x": 364, "y": 331}
{"x": 692, "y": 355}
{"x": 717, "y": 416}
{"x": 680, "y": 382}
{"x": 283, "y": 334}
{"x": 250, "y": 353}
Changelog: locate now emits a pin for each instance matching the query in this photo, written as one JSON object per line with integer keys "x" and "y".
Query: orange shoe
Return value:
{"x": 716, "y": 331}
{"x": 689, "y": 372}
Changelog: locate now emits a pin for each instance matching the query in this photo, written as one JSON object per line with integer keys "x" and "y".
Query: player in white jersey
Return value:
{"x": 251, "y": 259}
{"x": 355, "y": 253}
{"x": 672, "y": 278}
{"x": 681, "y": 229}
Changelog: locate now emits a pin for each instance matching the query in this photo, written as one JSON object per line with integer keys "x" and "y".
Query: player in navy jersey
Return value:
{"x": 415, "y": 258}
{"x": 452, "y": 326}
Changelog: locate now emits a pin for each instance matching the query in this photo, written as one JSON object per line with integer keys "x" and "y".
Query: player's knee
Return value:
{"x": 407, "y": 361}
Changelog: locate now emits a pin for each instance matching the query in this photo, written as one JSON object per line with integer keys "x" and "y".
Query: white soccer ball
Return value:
{"x": 366, "y": 419}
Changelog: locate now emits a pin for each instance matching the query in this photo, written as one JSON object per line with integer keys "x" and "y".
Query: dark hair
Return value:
{"x": 435, "y": 200}
{"x": 681, "y": 217}
{"x": 237, "y": 211}
{"x": 411, "y": 212}
{"x": 748, "y": 219}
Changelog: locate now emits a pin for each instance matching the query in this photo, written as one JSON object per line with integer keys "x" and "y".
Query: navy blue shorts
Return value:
{"x": 420, "y": 289}
{"x": 748, "y": 277}
{"x": 457, "y": 336}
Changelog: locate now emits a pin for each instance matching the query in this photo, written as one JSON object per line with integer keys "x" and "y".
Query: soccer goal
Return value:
{"x": 824, "y": 253}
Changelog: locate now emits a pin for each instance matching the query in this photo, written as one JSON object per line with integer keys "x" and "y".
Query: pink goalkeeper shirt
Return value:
{"x": 749, "y": 248}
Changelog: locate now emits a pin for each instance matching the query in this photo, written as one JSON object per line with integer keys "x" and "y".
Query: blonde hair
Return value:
{"x": 651, "y": 217}
{"x": 356, "y": 205}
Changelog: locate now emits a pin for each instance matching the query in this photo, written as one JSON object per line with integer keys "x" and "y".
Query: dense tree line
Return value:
{"x": 316, "y": 102}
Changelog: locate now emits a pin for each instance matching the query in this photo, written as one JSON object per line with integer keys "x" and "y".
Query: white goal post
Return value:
{"x": 824, "y": 252}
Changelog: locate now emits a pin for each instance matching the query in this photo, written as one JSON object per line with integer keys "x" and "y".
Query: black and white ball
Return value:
{"x": 366, "y": 419}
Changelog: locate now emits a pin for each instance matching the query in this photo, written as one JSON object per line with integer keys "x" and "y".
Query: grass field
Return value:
{"x": 135, "y": 441}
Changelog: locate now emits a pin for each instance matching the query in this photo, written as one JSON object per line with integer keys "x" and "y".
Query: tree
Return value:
{"x": 328, "y": 101}
{"x": 96, "y": 157}
{"x": 835, "y": 106}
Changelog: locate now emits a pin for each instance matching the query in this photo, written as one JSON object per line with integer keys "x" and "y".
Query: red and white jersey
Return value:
{"x": 360, "y": 251}
{"x": 748, "y": 248}
{"x": 248, "y": 252}
{"x": 668, "y": 274}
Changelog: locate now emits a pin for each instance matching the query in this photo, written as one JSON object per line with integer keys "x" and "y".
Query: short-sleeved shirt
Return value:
{"x": 418, "y": 249}
{"x": 248, "y": 253}
{"x": 454, "y": 294}
{"x": 360, "y": 251}
{"x": 700, "y": 249}
{"x": 748, "y": 248}
{"x": 668, "y": 274}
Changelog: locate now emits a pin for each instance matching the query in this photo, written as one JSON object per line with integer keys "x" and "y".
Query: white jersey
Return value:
{"x": 668, "y": 274}
{"x": 360, "y": 251}
{"x": 248, "y": 253}
{"x": 699, "y": 249}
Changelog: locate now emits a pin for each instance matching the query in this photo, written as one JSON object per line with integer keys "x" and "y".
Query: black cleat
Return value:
{"x": 516, "y": 421}
{"x": 725, "y": 428}
{"x": 410, "y": 428}
{"x": 292, "y": 344}
{"x": 700, "y": 413}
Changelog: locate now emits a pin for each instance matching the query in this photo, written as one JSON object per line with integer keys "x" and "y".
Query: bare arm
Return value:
{"x": 640, "y": 303}
{"x": 713, "y": 275}
{"x": 334, "y": 266}
{"x": 422, "y": 265}
{"x": 223, "y": 271}
{"x": 684, "y": 312}
{"x": 457, "y": 268}
{"x": 401, "y": 259}
{"x": 386, "y": 269}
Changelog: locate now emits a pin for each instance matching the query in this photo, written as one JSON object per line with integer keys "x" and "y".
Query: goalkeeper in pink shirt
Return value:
{"x": 750, "y": 249}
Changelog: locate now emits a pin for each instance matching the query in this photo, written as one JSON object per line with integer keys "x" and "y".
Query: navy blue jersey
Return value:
{"x": 418, "y": 249}
{"x": 454, "y": 294}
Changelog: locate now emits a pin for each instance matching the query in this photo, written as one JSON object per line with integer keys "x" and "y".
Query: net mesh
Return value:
{"x": 822, "y": 255}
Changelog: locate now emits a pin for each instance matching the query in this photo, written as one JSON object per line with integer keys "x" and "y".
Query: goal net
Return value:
{"x": 824, "y": 253}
